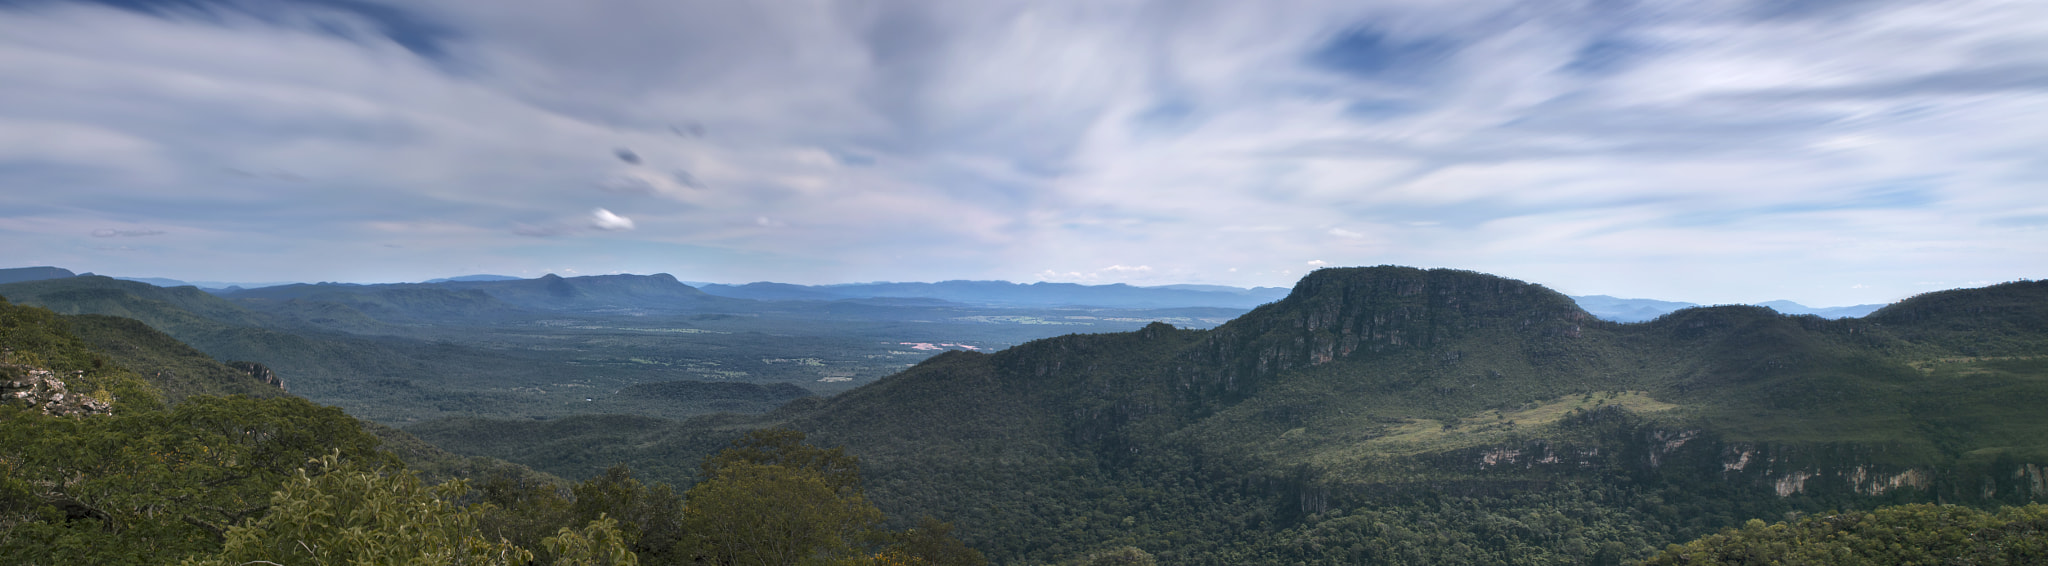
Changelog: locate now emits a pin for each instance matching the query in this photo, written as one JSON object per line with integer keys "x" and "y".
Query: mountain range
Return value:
{"x": 977, "y": 293}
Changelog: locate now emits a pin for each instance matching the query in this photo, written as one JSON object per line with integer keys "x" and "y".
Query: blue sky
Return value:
{"x": 1830, "y": 152}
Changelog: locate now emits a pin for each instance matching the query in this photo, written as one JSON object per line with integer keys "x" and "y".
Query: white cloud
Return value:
{"x": 605, "y": 220}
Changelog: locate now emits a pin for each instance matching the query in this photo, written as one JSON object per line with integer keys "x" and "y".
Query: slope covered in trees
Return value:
{"x": 1387, "y": 415}
{"x": 403, "y": 353}
{"x": 1413, "y": 416}
{"x": 1906, "y": 534}
{"x": 130, "y": 478}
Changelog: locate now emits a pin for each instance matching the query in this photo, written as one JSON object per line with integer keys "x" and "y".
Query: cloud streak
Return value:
{"x": 113, "y": 233}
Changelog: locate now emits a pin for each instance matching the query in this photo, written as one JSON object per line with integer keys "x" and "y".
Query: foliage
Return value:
{"x": 1905, "y": 534}
{"x": 1382, "y": 414}
{"x": 139, "y": 486}
{"x": 770, "y": 499}
{"x": 524, "y": 510}
{"x": 149, "y": 484}
{"x": 1267, "y": 439}
{"x": 599, "y": 544}
{"x": 338, "y": 513}
{"x": 407, "y": 353}
{"x": 38, "y": 338}
{"x": 176, "y": 371}
{"x": 1120, "y": 556}
{"x": 930, "y": 543}
{"x": 785, "y": 448}
{"x": 650, "y": 516}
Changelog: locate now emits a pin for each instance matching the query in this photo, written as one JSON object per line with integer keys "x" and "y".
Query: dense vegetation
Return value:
{"x": 553, "y": 347}
{"x": 1906, "y": 534}
{"x": 277, "y": 479}
{"x": 1380, "y": 415}
{"x": 1410, "y": 416}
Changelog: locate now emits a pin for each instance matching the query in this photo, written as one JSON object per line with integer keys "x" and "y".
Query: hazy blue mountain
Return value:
{"x": 343, "y": 305}
{"x": 157, "y": 281}
{"x": 16, "y": 274}
{"x": 208, "y": 285}
{"x": 478, "y": 277}
{"x": 767, "y": 291}
{"x": 1004, "y": 293}
{"x": 1789, "y": 307}
{"x": 1273, "y": 293}
{"x": 486, "y": 294}
{"x": 1644, "y": 310}
{"x": 594, "y": 292}
{"x": 553, "y": 292}
{"x": 1627, "y": 310}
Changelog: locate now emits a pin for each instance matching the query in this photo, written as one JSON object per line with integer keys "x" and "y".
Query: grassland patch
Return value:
{"x": 1418, "y": 436}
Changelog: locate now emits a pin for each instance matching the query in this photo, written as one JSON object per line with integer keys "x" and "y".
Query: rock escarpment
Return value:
{"x": 40, "y": 389}
{"x": 259, "y": 372}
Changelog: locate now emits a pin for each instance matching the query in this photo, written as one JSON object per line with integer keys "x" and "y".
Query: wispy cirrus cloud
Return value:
{"x": 1711, "y": 151}
{"x": 113, "y": 233}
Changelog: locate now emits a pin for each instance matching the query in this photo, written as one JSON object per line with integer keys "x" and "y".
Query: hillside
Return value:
{"x": 130, "y": 359}
{"x": 1379, "y": 394}
{"x": 372, "y": 376}
{"x": 403, "y": 353}
{"x": 124, "y": 446}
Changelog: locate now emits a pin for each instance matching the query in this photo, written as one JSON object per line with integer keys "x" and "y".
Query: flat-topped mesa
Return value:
{"x": 1447, "y": 299}
{"x": 1338, "y": 313}
{"x": 553, "y": 291}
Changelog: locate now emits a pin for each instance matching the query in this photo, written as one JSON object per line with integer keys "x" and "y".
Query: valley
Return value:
{"x": 405, "y": 353}
{"x": 1376, "y": 415}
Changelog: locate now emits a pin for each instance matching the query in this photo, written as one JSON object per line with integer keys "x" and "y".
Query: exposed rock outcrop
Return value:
{"x": 40, "y": 389}
{"x": 260, "y": 372}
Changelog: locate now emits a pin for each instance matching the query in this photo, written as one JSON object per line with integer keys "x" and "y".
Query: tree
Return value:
{"x": 599, "y": 544}
{"x": 931, "y": 543}
{"x": 1120, "y": 556}
{"x": 650, "y": 516}
{"x": 1904, "y": 534}
{"x": 340, "y": 514}
{"x": 146, "y": 485}
{"x": 772, "y": 500}
{"x": 785, "y": 447}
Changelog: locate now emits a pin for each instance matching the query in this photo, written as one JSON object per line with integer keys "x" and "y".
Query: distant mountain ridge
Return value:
{"x": 613, "y": 293}
{"x": 1644, "y": 310}
{"x": 1004, "y": 293}
{"x": 478, "y": 277}
{"x": 19, "y": 274}
{"x": 488, "y": 295}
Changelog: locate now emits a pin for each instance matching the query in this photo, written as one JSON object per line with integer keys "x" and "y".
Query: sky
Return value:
{"x": 1831, "y": 152}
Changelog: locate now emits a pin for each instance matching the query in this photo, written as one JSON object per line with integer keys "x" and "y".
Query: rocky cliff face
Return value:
{"x": 1364, "y": 313}
{"x": 260, "y": 372}
{"x": 41, "y": 390}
